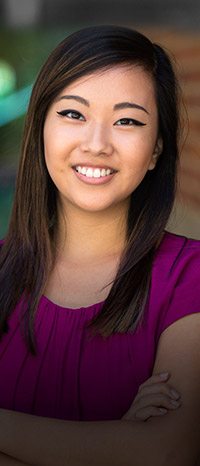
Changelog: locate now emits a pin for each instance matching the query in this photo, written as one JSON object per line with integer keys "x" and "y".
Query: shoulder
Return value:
{"x": 175, "y": 291}
{"x": 176, "y": 254}
{"x": 177, "y": 264}
{"x": 172, "y": 242}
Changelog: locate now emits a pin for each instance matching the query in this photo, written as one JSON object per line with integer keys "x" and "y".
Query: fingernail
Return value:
{"x": 175, "y": 403}
{"x": 174, "y": 394}
{"x": 163, "y": 410}
{"x": 164, "y": 375}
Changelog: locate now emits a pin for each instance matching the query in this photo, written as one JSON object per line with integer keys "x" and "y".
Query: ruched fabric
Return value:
{"x": 78, "y": 377}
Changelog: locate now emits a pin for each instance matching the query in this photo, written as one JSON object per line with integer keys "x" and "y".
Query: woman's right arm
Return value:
{"x": 6, "y": 460}
{"x": 153, "y": 394}
{"x": 20, "y": 437}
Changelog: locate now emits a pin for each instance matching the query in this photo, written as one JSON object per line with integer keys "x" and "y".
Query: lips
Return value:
{"x": 100, "y": 180}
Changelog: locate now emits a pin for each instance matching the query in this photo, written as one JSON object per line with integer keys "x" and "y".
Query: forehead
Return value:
{"x": 113, "y": 85}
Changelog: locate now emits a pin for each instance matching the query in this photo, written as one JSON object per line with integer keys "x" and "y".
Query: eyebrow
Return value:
{"x": 119, "y": 106}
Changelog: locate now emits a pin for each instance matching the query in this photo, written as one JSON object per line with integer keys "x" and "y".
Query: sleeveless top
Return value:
{"x": 76, "y": 377}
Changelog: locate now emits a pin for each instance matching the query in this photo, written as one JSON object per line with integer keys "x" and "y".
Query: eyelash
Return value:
{"x": 132, "y": 120}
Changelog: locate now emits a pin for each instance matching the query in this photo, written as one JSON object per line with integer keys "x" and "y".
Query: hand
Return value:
{"x": 154, "y": 398}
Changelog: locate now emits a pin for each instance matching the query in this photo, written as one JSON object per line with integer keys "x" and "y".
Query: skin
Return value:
{"x": 96, "y": 212}
{"x": 100, "y": 136}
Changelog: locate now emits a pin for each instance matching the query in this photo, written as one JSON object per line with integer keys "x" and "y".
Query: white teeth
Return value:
{"x": 96, "y": 173}
{"x": 89, "y": 172}
{"x": 93, "y": 173}
{"x": 82, "y": 170}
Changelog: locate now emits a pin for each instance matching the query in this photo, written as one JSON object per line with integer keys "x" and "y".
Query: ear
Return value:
{"x": 156, "y": 153}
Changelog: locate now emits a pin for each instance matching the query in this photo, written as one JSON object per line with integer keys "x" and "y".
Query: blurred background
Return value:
{"x": 29, "y": 31}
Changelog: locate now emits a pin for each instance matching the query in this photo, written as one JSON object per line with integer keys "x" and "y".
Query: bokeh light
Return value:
{"x": 7, "y": 78}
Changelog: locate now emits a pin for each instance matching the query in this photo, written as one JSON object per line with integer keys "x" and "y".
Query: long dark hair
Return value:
{"x": 29, "y": 251}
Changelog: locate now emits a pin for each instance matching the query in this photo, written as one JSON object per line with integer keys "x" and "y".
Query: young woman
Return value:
{"x": 97, "y": 299}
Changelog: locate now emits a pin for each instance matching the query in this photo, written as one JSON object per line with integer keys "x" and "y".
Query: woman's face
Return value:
{"x": 106, "y": 120}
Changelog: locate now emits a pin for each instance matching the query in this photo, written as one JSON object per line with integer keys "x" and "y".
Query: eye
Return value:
{"x": 129, "y": 122}
{"x": 71, "y": 114}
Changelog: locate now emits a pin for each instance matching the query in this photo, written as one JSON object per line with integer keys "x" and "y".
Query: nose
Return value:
{"x": 97, "y": 140}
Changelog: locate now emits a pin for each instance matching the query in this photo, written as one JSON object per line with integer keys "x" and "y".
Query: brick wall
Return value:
{"x": 185, "y": 47}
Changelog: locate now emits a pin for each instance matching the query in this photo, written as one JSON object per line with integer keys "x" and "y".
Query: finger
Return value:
{"x": 151, "y": 411}
{"x": 158, "y": 400}
{"x": 158, "y": 388}
{"x": 156, "y": 378}
{"x": 144, "y": 414}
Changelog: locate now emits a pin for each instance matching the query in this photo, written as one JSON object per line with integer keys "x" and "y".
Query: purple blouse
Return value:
{"x": 79, "y": 378}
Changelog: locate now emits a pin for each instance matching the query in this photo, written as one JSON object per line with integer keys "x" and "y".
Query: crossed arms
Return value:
{"x": 172, "y": 439}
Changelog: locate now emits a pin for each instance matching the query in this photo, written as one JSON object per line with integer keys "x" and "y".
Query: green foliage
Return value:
{"x": 25, "y": 50}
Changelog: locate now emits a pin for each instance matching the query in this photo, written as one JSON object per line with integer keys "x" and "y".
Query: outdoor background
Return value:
{"x": 29, "y": 31}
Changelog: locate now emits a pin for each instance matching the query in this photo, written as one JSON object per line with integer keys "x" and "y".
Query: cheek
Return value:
{"x": 54, "y": 145}
{"x": 138, "y": 154}
{"x": 60, "y": 141}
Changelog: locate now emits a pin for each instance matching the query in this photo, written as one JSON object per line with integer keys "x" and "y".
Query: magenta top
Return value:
{"x": 77, "y": 378}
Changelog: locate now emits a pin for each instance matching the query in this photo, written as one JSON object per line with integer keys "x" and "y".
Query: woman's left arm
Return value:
{"x": 172, "y": 439}
{"x": 6, "y": 460}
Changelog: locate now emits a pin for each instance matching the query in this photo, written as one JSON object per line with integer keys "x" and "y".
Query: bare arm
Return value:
{"x": 9, "y": 461}
{"x": 172, "y": 440}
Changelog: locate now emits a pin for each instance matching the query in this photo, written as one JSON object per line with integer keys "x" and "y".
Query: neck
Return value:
{"x": 89, "y": 236}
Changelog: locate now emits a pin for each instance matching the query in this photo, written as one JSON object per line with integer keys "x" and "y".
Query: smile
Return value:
{"x": 94, "y": 172}
{"x": 94, "y": 176}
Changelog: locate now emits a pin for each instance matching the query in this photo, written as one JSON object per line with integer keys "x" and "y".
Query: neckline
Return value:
{"x": 48, "y": 301}
{"x": 74, "y": 309}
{"x": 167, "y": 236}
